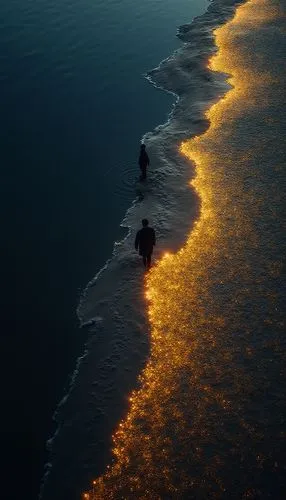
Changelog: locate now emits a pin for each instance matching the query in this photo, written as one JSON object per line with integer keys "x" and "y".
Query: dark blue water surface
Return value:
{"x": 74, "y": 106}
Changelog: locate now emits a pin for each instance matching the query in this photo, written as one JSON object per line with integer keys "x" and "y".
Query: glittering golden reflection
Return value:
{"x": 195, "y": 387}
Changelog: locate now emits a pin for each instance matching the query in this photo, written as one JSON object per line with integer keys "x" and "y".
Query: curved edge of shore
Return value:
{"x": 112, "y": 306}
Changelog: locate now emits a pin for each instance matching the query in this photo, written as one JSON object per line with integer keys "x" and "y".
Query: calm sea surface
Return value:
{"x": 74, "y": 106}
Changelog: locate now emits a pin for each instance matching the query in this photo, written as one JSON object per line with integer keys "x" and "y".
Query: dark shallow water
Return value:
{"x": 74, "y": 106}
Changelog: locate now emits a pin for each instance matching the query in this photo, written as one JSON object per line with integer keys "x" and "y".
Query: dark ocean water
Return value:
{"x": 74, "y": 106}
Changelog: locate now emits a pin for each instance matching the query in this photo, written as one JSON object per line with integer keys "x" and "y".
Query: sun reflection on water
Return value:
{"x": 188, "y": 429}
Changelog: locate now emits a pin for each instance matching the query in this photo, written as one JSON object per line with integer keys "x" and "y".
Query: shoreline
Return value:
{"x": 205, "y": 401}
{"x": 160, "y": 78}
{"x": 94, "y": 318}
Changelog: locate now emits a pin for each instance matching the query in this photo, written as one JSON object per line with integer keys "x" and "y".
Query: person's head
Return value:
{"x": 145, "y": 222}
{"x": 143, "y": 147}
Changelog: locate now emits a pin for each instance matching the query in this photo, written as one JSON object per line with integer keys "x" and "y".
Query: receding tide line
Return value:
{"x": 159, "y": 449}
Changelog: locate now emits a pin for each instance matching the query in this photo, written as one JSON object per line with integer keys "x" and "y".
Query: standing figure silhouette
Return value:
{"x": 143, "y": 162}
{"x": 145, "y": 240}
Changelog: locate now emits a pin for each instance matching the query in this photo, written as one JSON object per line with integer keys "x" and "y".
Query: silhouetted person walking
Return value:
{"x": 145, "y": 240}
{"x": 143, "y": 162}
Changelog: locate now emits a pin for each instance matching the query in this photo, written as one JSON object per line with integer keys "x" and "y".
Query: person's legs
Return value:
{"x": 143, "y": 170}
{"x": 148, "y": 259}
{"x": 144, "y": 260}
